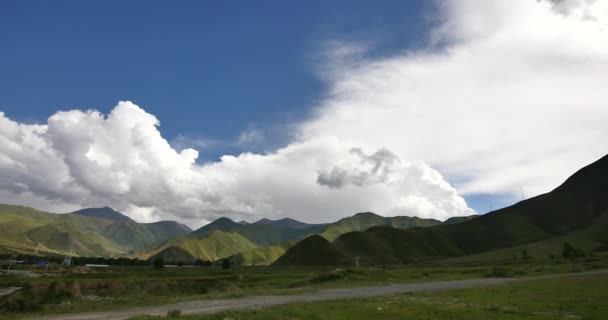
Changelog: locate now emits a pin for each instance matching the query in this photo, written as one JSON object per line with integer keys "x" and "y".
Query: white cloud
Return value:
{"x": 88, "y": 159}
{"x": 514, "y": 100}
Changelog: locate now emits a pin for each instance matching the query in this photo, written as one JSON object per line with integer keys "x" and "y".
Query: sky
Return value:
{"x": 194, "y": 110}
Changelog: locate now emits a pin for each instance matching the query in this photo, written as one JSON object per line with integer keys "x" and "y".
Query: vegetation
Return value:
{"x": 27, "y": 231}
{"x": 365, "y": 220}
{"x": 581, "y": 297}
{"x": 81, "y": 289}
{"x": 577, "y": 208}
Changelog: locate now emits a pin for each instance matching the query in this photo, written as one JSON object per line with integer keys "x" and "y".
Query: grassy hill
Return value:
{"x": 216, "y": 245}
{"x": 262, "y": 256}
{"x": 314, "y": 250}
{"x": 26, "y": 230}
{"x": 104, "y": 213}
{"x": 139, "y": 235}
{"x": 285, "y": 223}
{"x": 273, "y": 237}
{"x": 579, "y": 204}
{"x": 263, "y": 233}
{"x": 365, "y": 220}
{"x": 221, "y": 224}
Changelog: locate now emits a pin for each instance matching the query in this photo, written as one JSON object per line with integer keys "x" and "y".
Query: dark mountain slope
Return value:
{"x": 314, "y": 250}
{"x": 140, "y": 235}
{"x": 454, "y": 220}
{"x": 221, "y": 224}
{"x": 364, "y": 220}
{"x": 574, "y": 205}
{"x": 104, "y": 213}
{"x": 285, "y": 223}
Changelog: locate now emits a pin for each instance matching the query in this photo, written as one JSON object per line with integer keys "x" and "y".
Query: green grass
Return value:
{"x": 125, "y": 287}
{"x": 577, "y": 297}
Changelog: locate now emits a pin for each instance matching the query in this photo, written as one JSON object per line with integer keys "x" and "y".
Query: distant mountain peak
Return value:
{"x": 283, "y": 223}
{"x": 222, "y": 223}
{"x": 367, "y": 214}
{"x": 103, "y": 213}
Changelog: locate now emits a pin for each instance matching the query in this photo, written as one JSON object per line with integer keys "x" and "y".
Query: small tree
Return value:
{"x": 226, "y": 263}
{"x": 159, "y": 263}
{"x": 180, "y": 263}
{"x": 524, "y": 254}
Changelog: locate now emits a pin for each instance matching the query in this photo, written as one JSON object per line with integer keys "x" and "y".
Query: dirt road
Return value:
{"x": 213, "y": 306}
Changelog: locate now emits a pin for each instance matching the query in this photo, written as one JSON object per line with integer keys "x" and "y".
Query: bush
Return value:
{"x": 571, "y": 253}
{"x": 174, "y": 313}
{"x": 159, "y": 263}
{"x": 498, "y": 272}
{"x": 226, "y": 264}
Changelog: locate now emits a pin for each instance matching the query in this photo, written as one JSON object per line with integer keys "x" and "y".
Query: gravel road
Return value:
{"x": 213, "y": 306}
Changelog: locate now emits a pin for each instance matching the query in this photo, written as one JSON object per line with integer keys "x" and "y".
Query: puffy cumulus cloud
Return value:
{"x": 509, "y": 95}
{"x": 84, "y": 158}
{"x": 361, "y": 170}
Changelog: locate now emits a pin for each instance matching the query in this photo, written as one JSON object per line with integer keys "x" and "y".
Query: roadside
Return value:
{"x": 215, "y": 306}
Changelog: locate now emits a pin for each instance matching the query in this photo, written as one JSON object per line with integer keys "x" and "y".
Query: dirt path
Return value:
{"x": 213, "y": 306}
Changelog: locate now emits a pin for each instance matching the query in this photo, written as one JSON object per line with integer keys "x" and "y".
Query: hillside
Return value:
{"x": 104, "y": 213}
{"x": 221, "y": 224}
{"x": 286, "y": 223}
{"x": 139, "y": 235}
{"x": 216, "y": 245}
{"x": 314, "y": 250}
{"x": 263, "y": 233}
{"x": 273, "y": 237}
{"x": 262, "y": 256}
{"x": 27, "y": 230}
{"x": 577, "y": 204}
{"x": 365, "y": 220}
{"x": 454, "y": 220}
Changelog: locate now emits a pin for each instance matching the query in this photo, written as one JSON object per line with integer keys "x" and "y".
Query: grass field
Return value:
{"x": 125, "y": 287}
{"x": 577, "y": 297}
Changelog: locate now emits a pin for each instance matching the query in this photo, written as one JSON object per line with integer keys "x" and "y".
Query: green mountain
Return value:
{"x": 273, "y": 237}
{"x": 26, "y": 230}
{"x": 216, "y": 245}
{"x": 258, "y": 243}
{"x": 104, "y": 213}
{"x": 140, "y": 235}
{"x": 454, "y": 220}
{"x": 285, "y": 223}
{"x": 221, "y": 224}
{"x": 577, "y": 208}
{"x": 365, "y": 220}
{"x": 262, "y": 256}
{"x": 263, "y": 233}
{"x": 314, "y": 250}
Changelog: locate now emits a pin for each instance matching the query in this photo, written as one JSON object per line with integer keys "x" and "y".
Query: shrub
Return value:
{"x": 498, "y": 272}
{"x": 174, "y": 313}
{"x": 159, "y": 263}
{"x": 226, "y": 264}
{"x": 571, "y": 253}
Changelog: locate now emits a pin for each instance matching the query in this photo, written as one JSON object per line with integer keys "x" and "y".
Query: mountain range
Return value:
{"x": 576, "y": 211}
{"x": 88, "y": 232}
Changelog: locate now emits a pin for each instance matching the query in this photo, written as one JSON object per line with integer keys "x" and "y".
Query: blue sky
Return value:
{"x": 325, "y": 121}
{"x": 207, "y": 70}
